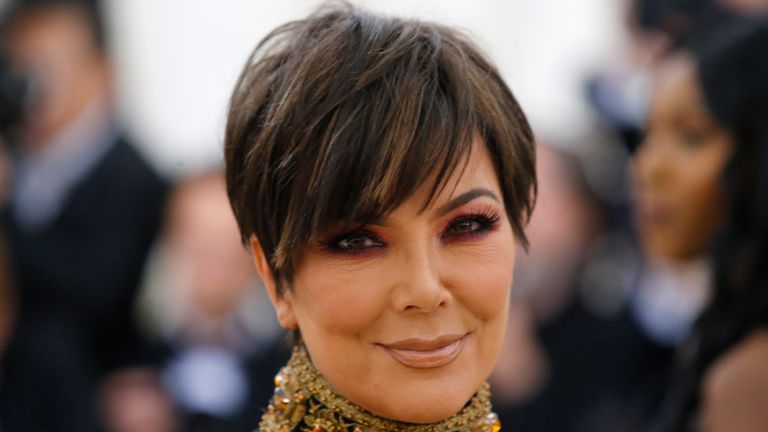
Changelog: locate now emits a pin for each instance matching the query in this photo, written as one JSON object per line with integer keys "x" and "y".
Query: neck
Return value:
{"x": 305, "y": 401}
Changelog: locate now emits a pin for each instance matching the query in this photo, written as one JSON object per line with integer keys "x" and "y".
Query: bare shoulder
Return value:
{"x": 735, "y": 389}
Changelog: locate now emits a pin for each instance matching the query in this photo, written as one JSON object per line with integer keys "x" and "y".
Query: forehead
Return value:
{"x": 676, "y": 89}
{"x": 475, "y": 170}
{"x": 61, "y": 25}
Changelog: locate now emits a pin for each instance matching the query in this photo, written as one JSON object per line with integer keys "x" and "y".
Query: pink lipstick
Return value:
{"x": 426, "y": 354}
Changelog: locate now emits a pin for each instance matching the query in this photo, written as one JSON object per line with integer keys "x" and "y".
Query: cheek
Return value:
{"x": 702, "y": 195}
{"x": 703, "y": 190}
{"x": 341, "y": 298}
{"x": 481, "y": 276}
{"x": 703, "y": 218}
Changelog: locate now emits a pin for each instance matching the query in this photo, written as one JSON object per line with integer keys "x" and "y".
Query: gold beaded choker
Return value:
{"x": 304, "y": 402}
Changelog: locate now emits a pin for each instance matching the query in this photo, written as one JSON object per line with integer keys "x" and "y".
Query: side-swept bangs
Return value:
{"x": 342, "y": 116}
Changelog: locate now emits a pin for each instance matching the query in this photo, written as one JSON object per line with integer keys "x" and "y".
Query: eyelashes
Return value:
{"x": 465, "y": 227}
{"x": 471, "y": 225}
{"x": 353, "y": 242}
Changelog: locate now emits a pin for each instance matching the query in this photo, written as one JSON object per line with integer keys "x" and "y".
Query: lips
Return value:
{"x": 426, "y": 354}
{"x": 649, "y": 216}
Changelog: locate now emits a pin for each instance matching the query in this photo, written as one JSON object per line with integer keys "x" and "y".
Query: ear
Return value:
{"x": 283, "y": 304}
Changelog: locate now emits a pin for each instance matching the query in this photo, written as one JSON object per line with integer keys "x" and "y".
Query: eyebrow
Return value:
{"x": 454, "y": 203}
{"x": 465, "y": 198}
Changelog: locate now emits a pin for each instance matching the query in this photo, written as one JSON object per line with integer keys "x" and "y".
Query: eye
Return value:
{"x": 354, "y": 242}
{"x": 471, "y": 225}
{"x": 464, "y": 226}
{"x": 357, "y": 242}
{"x": 692, "y": 138}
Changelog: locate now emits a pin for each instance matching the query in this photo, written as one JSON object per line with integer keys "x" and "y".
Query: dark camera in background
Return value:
{"x": 15, "y": 95}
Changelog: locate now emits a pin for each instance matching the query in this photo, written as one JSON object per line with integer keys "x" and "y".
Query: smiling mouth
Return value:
{"x": 426, "y": 354}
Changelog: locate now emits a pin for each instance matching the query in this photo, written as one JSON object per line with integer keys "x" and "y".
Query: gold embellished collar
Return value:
{"x": 304, "y": 402}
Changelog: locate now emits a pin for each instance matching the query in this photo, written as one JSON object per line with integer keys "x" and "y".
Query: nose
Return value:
{"x": 419, "y": 287}
{"x": 649, "y": 162}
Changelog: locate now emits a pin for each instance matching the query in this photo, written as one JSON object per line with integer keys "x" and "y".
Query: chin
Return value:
{"x": 666, "y": 247}
{"x": 427, "y": 410}
{"x": 676, "y": 252}
{"x": 428, "y": 402}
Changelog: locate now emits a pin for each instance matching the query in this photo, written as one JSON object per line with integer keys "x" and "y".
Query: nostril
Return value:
{"x": 425, "y": 306}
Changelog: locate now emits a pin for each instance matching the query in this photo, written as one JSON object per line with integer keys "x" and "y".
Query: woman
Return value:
{"x": 702, "y": 180}
{"x": 381, "y": 172}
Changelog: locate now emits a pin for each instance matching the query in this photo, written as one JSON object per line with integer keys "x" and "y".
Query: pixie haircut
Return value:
{"x": 340, "y": 117}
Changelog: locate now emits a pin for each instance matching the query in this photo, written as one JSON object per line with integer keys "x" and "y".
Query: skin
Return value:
{"x": 56, "y": 47}
{"x": 211, "y": 269}
{"x": 431, "y": 273}
{"x": 736, "y": 388}
{"x": 677, "y": 170}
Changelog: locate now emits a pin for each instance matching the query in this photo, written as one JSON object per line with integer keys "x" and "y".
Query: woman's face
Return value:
{"x": 406, "y": 317}
{"x": 677, "y": 169}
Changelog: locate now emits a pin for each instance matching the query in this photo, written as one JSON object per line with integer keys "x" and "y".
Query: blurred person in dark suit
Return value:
{"x": 222, "y": 342}
{"x": 82, "y": 211}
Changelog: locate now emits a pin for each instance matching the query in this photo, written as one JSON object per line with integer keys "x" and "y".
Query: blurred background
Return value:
{"x": 128, "y": 304}
{"x": 177, "y": 61}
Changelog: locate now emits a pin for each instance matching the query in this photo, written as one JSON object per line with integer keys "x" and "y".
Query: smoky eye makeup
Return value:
{"x": 471, "y": 224}
{"x": 352, "y": 242}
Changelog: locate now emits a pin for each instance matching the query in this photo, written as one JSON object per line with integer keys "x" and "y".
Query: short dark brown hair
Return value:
{"x": 343, "y": 115}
